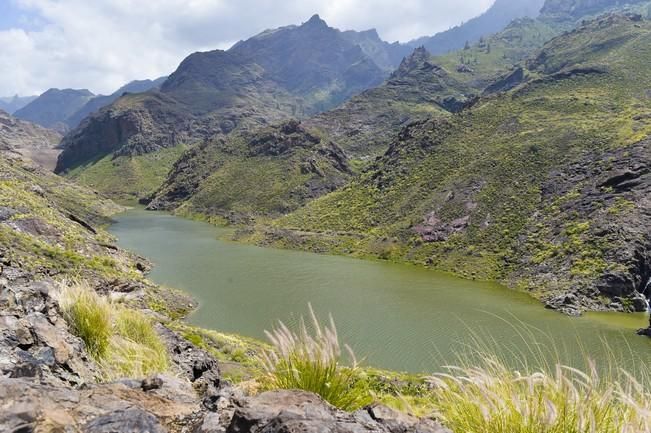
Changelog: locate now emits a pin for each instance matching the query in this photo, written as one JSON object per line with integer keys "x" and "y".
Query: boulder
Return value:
{"x": 125, "y": 421}
{"x": 304, "y": 412}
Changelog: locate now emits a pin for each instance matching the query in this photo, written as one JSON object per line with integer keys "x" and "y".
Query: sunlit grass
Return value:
{"x": 89, "y": 316}
{"x": 122, "y": 341}
{"x": 312, "y": 361}
{"x": 491, "y": 398}
{"x": 530, "y": 389}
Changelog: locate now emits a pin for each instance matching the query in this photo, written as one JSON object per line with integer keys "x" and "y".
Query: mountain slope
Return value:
{"x": 288, "y": 72}
{"x": 360, "y": 129}
{"x": 53, "y": 107}
{"x": 572, "y": 10}
{"x": 474, "y": 194}
{"x": 272, "y": 171}
{"x": 28, "y": 141}
{"x": 419, "y": 88}
{"x": 365, "y": 126}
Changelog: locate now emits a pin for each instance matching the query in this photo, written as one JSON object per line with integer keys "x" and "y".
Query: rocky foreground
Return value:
{"x": 48, "y": 384}
{"x": 51, "y": 234}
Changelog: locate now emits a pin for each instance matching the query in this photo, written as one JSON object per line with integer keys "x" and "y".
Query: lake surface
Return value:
{"x": 395, "y": 316}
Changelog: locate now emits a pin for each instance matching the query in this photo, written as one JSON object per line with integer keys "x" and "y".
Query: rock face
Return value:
{"x": 125, "y": 407}
{"x": 129, "y": 129}
{"x": 35, "y": 342}
{"x": 611, "y": 192}
{"x": 52, "y": 108}
{"x": 301, "y": 412}
{"x": 29, "y": 141}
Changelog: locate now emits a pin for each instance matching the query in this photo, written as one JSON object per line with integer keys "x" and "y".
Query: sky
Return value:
{"x": 102, "y": 44}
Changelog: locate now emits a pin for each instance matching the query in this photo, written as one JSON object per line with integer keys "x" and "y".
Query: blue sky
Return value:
{"x": 102, "y": 44}
{"x": 12, "y": 16}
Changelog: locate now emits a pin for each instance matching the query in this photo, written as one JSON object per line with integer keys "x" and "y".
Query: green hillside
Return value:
{"x": 471, "y": 194}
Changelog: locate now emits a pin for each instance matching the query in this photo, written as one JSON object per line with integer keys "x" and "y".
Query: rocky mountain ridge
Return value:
{"x": 277, "y": 75}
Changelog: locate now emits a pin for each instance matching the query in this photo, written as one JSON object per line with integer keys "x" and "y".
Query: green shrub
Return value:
{"x": 313, "y": 363}
{"x": 89, "y": 316}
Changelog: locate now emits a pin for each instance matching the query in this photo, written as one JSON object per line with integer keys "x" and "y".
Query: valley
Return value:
{"x": 315, "y": 229}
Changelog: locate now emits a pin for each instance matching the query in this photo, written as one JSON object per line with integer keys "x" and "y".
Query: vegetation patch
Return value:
{"x": 128, "y": 178}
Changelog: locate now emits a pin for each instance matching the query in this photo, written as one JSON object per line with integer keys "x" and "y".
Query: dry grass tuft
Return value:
{"x": 122, "y": 341}
{"x": 312, "y": 361}
{"x": 89, "y": 316}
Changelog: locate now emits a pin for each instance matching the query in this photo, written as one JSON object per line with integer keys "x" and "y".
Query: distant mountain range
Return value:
{"x": 98, "y": 102}
{"x": 54, "y": 107}
{"x": 293, "y": 71}
{"x": 62, "y": 110}
{"x": 500, "y": 14}
{"x": 10, "y": 104}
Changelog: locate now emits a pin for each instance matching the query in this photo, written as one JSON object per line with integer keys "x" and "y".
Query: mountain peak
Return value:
{"x": 316, "y": 20}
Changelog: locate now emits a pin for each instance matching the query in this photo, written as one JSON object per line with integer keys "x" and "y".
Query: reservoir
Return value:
{"x": 394, "y": 316}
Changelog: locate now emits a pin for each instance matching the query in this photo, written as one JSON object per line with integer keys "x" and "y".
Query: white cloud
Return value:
{"x": 102, "y": 44}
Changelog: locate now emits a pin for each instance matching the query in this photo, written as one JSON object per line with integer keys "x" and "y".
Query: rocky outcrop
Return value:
{"x": 127, "y": 129}
{"x": 302, "y": 412}
{"x": 608, "y": 196}
{"x": 35, "y": 341}
{"x": 130, "y": 407}
{"x": 301, "y": 165}
{"x": 507, "y": 82}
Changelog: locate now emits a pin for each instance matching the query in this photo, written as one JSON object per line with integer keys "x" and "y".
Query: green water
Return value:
{"x": 395, "y": 316}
